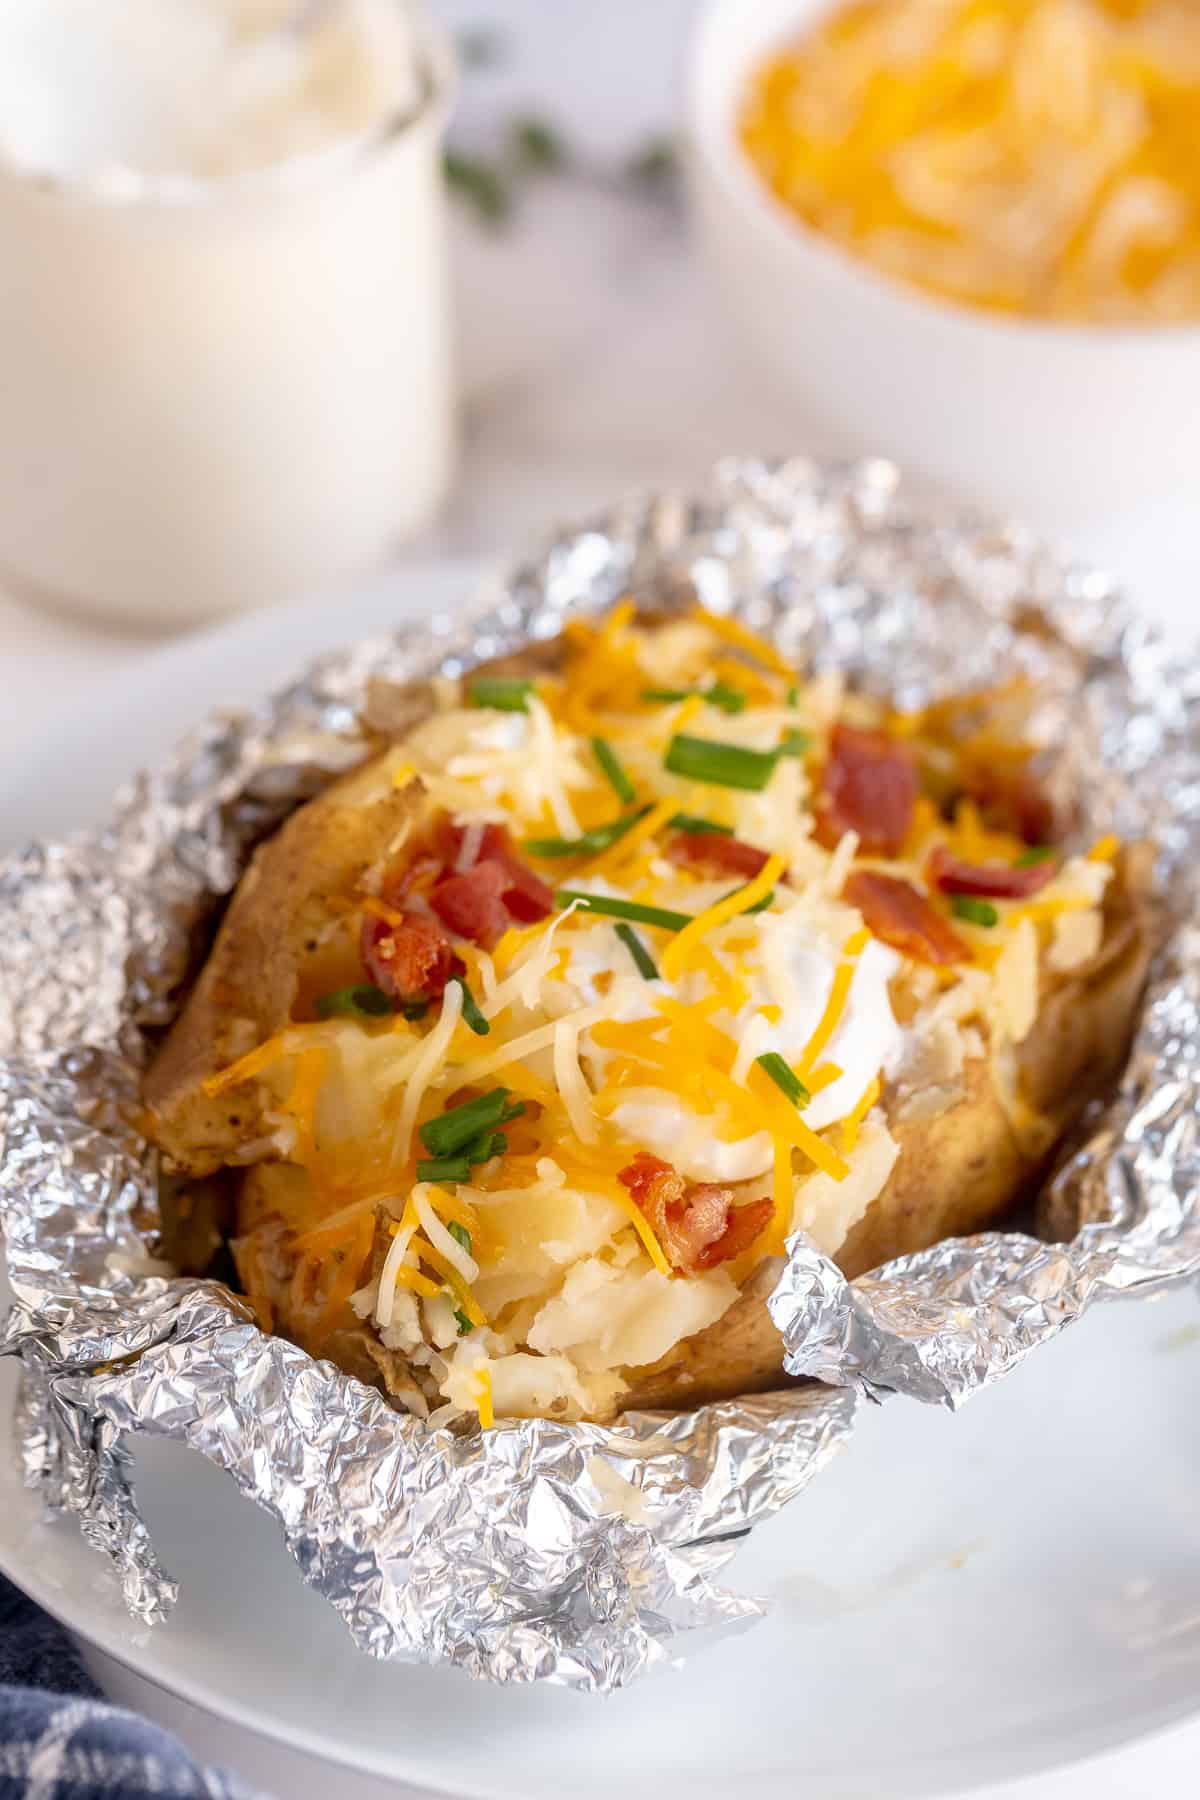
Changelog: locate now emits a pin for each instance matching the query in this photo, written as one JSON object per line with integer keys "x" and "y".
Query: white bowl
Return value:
{"x": 1048, "y": 420}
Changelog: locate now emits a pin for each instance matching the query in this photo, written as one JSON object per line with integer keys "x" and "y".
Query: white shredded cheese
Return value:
{"x": 385, "y": 1302}
{"x": 440, "y": 1238}
{"x": 429, "y": 1060}
{"x": 572, "y": 1087}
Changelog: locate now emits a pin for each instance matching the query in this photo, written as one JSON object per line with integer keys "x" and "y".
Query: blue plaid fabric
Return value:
{"x": 60, "y": 1741}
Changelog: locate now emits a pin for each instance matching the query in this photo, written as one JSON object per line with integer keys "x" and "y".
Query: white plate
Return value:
{"x": 955, "y": 1601}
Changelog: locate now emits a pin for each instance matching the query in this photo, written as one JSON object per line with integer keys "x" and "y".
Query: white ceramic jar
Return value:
{"x": 225, "y": 374}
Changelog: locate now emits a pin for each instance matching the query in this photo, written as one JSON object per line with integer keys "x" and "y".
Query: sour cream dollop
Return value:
{"x": 201, "y": 88}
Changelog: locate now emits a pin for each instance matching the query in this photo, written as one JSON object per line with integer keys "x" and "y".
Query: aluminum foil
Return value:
{"x": 577, "y": 1554}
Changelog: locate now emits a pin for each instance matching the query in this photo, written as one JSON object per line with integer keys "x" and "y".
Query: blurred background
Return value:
{"x": 628, "y": 300}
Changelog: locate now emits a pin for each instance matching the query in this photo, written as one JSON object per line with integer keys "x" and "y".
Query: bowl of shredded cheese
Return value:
{"x": 966, "y": 231}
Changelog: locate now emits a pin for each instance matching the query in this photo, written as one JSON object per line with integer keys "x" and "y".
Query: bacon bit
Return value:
{"x": 417, "y": 877}
{"x": 472, "y": 905}
{"x": 412, "y": 960}
{"x": 479, "y": 902}
{"x": 524, "y": 897}
{"x": 991, "y": 881}
{"x": 868, "y": 786}
{"x": 1011, "y": 799}
{"x": 697, "y": 1225}
{"x": 896, "y": 912}
{"x": 716, "y": 850}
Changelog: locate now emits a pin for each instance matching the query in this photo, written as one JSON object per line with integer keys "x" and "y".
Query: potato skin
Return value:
{"x": 275, "y": 925}
{"x": 958, "y": 1172}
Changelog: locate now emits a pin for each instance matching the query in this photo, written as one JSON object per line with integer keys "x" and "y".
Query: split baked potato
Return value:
{"x": 523, "y": 1047}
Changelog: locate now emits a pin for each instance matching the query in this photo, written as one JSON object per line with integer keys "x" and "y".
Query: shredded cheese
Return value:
{"x": 638, "y": 834}
{"x": 682, "y": 950}
{"x": 835, "y": 1006}
{"x": 430, "y": 1060}
{"x": 732, "y": 631}
{"x": 483, "y": 1383}
{"x": 443, "y": 1240}
{"x": 852, "y": 1124}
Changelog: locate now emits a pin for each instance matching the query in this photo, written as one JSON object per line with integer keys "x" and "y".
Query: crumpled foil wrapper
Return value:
{"x": 577, "y": 1554}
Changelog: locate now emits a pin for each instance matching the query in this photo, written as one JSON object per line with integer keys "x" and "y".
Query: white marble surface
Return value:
{"x": 595, "y": 359}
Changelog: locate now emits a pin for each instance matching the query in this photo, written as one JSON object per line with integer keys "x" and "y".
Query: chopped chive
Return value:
{"x": 499, "y": 693}
{"x": 444, "y": 1168}
{"x": 645, "y": 963}
{"x": 462, "y": 1321}
{"x": 588, "y": 843}
{"x": 472, "y": 1016}
{"x": 718, "y": 694}
{"x": 795, "y": 743}
{"x": 976, "y": 912}
{"x": 479, "y": 184}
{"x": 623, "y": 909}
{"x": 1040, "y": 853}
{"x": 412, "y": 1010}
{"x": 721, "y": 765}
{"x": 363, "y": 1001}
{"x": 614, "y": 774}
{"x": 784, "y": 1077}
{"x": 513, "y": 1111}
{"x": 537, "y": 145}
{"x": 729, "y": 699}
{"x": 793, "y": 696}
{"x": 481, "y": 1148}
{"x": 451, "y": 1131}
{"x": 693, "y": 822}
{"x": 460, "y": 1234}
{"x": 760, "y": 905}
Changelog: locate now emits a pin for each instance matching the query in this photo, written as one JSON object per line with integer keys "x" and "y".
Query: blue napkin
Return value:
{"x": 59, "y": 1740}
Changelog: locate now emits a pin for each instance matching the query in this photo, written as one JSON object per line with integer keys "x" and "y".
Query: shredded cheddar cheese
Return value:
{"x": 487, "y": 1415}
{"x": 852, "y": 1123}
{"x": 684, "y": 948}
{"x": 1023, "y": 156}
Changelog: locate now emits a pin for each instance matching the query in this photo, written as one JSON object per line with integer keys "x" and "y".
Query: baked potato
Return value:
{"x": 528, "y": 1043}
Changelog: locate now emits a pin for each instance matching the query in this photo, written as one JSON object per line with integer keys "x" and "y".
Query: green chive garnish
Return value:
{"x": 412, "y": 1010}
{"x": 795, "y": 743}
{"x": 759, "y": 905}
{"x": 1040, "y": 853}
{"x": 976, "y": 912}
{"x": 588, "y": 843}
{"x": 614, "y": 774}
{"x": 793, "y": 696}
{"x": 444, "y": 1168}
{"x": 460, "y": 1234}
{"x": 632, "y": 910}
{"x": 462, "y": 1321}
{"x": 452, "y": 1131}
{"x": 784, "y": 1077}
{"x": 718, "y": 694}
{"x": 646, "y": 967}
{"x": 693, "y": 823}
{"x": 721, "y": 765}
{"x": 500, "y": 693}
{"x": 470, "y": 1012}
{"x": 727, "y": 698}
{"x": 363, "y": 1001}
{"x": 458, "y": 1167}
